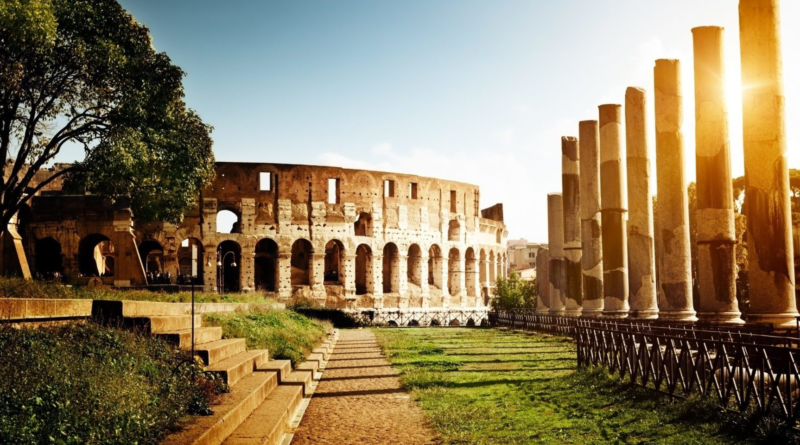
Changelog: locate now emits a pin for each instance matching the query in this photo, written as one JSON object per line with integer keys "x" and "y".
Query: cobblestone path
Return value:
{"x": 360, "y": 400}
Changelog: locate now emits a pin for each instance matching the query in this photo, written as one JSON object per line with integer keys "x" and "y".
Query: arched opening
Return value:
{"x": 228, "y": 222}
{"x": 334, "y": 262}
{"x": 301, "y": 262}
{"x": 470, "y": 271}
{"x": 190, "y": 252}
{"x": 414, "y": 263}
{"x": 152, "y": 254}
{"x": 391, "y": 269}
{"x": 482, "y": 268}
{"x": 455, "y": 322}
{"x": 435, "y": 322}
{"x": 454, "y": 272}
{"x": 435, "y": 266}
{"x": 94, "y": 253}
{"x": 492, "y": 268}
{"x": 229, "y": 266}
{"x": 266, "y": 265}
{"x": 413, "y": 323}
{"x": 454, "y": 231}
{"x": 392, "y": 323}
{"x": 48, "y": 261}
{"x": 470, "y": 323}
{"x": 363, "y": 225}
{"x": 363, "y": 269}
{"x": 499, "y": 236}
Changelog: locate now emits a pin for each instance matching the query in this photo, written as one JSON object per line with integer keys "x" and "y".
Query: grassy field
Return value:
{"x": 484, "y": 386}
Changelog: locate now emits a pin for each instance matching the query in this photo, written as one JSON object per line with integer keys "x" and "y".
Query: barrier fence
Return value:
{"x": 744, "y": 368}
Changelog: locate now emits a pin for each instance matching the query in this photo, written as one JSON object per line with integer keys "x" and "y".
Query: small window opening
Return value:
{"x": 333, "y": 190}
{"x": 453, "y": 199}
{"x": 412, "y": 190}
{"x": 388, "y": 188}
{"x": 265, "y": 181}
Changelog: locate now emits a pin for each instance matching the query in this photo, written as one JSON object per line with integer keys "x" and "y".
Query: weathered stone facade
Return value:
{"x": 338, "y": 237}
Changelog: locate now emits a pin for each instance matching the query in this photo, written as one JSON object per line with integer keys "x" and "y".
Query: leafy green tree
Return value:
{"x": 515, "y": 294}
{"x": 84, "y": 73}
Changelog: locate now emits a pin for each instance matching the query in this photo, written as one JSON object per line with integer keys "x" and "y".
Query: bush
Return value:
{"x": 337, "y": 317}
{"x": 515, "y": 294}
{"x": 88, "y": 384}
{"x": 286, "y": 334}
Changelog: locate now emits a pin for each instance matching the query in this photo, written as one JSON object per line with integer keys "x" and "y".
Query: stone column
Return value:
{"x": 350, "y": 280}
{"x": 425, "y": 289}
{"x": 769, "y": 224}
{"x": 641, "y": 248}
{"x": 555, "y": 231}
{"x": 543, "y": 281}
{"x": 716, "y": 236}
{"x": 674, "y": 255}
{"x": 317, "y": 276}
{"x": 377, "y": 281}
{"x": 571, "y": 200}
{"x": 614, "y": 213}
{"x": 284, "y": 283}
{"x": 402, "y": 276}
{"x": 591, "y": 235}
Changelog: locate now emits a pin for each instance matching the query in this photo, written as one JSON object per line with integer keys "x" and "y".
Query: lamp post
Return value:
{"x": 221, "y": 268}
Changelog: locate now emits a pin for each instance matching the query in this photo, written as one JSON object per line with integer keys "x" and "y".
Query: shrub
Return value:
{"x": 515, "y": 294}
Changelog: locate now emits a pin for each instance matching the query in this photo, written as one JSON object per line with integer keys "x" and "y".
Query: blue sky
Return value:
{"x": 475, "y": 91}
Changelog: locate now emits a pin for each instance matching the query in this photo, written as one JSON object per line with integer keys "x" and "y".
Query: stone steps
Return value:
{"x": 158, "y": 324}
{"x": 269, "y": 421}
{"x": 218, "y": 350}
{"x": 236, "y": 367}
{"x": 183, "y": 338}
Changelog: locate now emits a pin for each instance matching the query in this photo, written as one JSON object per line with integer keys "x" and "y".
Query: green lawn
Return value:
{"x": 485, "y": 386}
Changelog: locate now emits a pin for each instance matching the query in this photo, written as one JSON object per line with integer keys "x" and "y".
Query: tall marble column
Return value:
{"x": 674, "y": 254}
{"x": 769, "y": 224}
{"x": 591, "y": 235}
{"x": 641, "y": 248}
{"x": 555, "y": 236}
{"x": 543, "y": 281}
{"x": 716, "y": 236}
{"x": 614, "y": 213}
{"x": 571, "y": 201}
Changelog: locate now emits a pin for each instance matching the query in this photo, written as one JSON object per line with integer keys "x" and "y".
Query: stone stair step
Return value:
{"x": 323, "y": 351}
{"x": 316, "y": 357}
{"x": 218, "y": 350}
{"x": 308, "y": 366}
{"x": 234, "y": 368}
{"x": 300, "y": 378}
{"x": 282, "y": 367}
{"x": 233, "y": 409}
{"x": 163, "y": 323}
{"x": 183, "y": 337}
{"x": 269, "y": 421}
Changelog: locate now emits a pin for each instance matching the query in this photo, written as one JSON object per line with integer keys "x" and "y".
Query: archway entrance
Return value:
{"x": 435, "y": 266}
{"x": 229, "y": 255}
{"x": 185, "y": 261}
{"x": 266, "y": 265}
{"x": 96, "y": 256}
{"x": 391, "y": 276}
{"x": 301, "y": 262}
{"x": 334, "y": 262}
{"x": 363, "y": 270}
{"x": 414, "y": 263}
{"x": 48, "y": 260}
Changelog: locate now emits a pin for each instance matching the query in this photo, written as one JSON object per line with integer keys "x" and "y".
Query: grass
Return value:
{"x": 286, "y": 334}
{"x": 484, "y": 386}
{"x": 11, "y": 287}
{"x": 88, "y": 384}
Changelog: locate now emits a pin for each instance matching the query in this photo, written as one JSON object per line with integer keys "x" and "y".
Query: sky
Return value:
{"x": 476, "y": 91}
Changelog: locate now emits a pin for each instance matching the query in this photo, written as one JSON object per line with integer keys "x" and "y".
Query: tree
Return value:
{"x": 514, "y": 293}
{"x": 84, "y": 72}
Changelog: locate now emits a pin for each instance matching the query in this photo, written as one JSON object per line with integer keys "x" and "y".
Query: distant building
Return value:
{"x": 522, "y": 255}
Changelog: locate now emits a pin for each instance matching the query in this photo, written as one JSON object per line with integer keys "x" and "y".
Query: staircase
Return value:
{"x": 264, "y": 394}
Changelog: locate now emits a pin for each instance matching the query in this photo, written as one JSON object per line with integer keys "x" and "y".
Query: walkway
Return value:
{"x": 360, "y": 400}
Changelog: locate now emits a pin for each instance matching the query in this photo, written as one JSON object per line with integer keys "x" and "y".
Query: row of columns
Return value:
{"x": 602, "y": 257}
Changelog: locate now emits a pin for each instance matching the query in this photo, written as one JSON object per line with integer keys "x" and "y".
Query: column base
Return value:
{"x": 543, "y": 311}
{"x": 727, "y": 318}
{"x": 573, "y": 312}
{"x": 778, "y": 320}
{"x": 591, "y": 313}
{"x": 649, "y": 314}
{"x": 615, "y": 315}
{"x": 557, "y": 313}
{"x": 681, "y": 316}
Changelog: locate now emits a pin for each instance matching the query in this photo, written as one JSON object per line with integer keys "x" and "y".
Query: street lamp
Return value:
{"x": 221, "y": 267}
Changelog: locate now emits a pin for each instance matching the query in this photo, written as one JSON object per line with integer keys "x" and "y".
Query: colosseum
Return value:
{"x": 351, "y": 239}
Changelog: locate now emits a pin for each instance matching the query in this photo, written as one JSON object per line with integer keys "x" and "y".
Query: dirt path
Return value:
{"x": 359, "y": 400}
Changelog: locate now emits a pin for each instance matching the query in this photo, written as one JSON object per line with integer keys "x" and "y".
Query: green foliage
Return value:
{"x": 484, "y": 386}
{"x": 11, "y": 287}
{"x": 286, "y": 334}
{"x": 514, "y": 294}
{"x": 85, "y": 72}
{"x": 88, "y": 384}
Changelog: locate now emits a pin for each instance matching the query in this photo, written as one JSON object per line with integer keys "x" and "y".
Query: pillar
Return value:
{"x": 716, "y": 236}
{"x": 350, "y": 280}
{"x": 377, "y": 281}
{"x": 555, "y": 236}
{"x": 613, "y": 214}
{"x": 769, "y": 225}
{"x": 571, "y": 201}
{"x": 284, "y": 283}
{"x": 591, "y": 235}
{"x": 402, "y": 277}
{"x": 425, "y": 289}
{"x": 317, "y": 276}
{"x": 543, "y": 281}
{"x": 641, "y": 247}
{"x": 674, "y": 254}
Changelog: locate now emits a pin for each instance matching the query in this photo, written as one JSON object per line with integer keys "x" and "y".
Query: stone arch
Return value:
{"x": 229, "y": 277}
{"x": 185, "y": 261}
{"x": 454, "y": 231}
{"x": 301, "y": 262}
{"x": 94, "y": 252}
{"x": 152, "y": 254}
{"x": 413, "y": 323}
{"x": 363, "y": 270}
{"x": 48, "y": 262}
{"x": 492, "y": 268}
{"x": 229, "y": 221}
{"x": 482, "y": 267}
{"x": 334, "y": 262}
{"x": 363, "y": 225}
{"x": 470, "y": 271}
{"x": 454, "y": 272}
{"x": 435, "y": 266}
{"x": 470, "y": 323}
{"x": 454, "y": 322}
{"x": 414, "y": 269}
{"x": 391, "y": 268}
{"x": 435, "y": 322}
{"x": 392, "y": 323}
{"x": 266, "y": 265}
